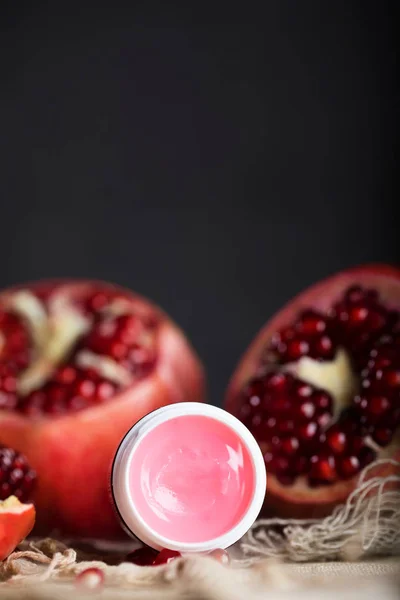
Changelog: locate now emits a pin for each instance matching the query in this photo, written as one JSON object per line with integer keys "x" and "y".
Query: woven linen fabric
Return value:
{"x": 46, "y": 569}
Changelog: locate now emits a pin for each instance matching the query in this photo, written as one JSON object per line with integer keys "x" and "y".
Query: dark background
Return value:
{"x": 217, "y": 162}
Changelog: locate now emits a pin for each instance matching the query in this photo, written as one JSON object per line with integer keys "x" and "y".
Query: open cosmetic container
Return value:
{"x": 188, "y": 477}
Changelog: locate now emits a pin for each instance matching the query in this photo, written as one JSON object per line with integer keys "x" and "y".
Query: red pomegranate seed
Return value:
{"x": 85, "y": 388}
{"x": 278, "y": 381}
{"x": 166, "y": 556}
{"x": 308, "y": 432}
{"x": 98, "y": 301}
{"x": 382, "y": 436}
{"x": 143, "y": 557}
{"x": 296, "y": 349}
{"x": 66, "y": 375}
{"x": 311, "y": 323}
{"x": 336, "y": 440}
{"x": 286, "y": 479}
{"x": 348, "y": 466}
{"x": 105, "y": 390}
{"x": 391, "y": 377}
{"x": 289, "y": 446}
{"x": 323, "y": 469}
{"x": 323, "y": 402}
{"x": 302, "y": 390}
{"x": 306, "y": 410}
{"x": 90, "y": 579}
{"x": 221, "y": 556}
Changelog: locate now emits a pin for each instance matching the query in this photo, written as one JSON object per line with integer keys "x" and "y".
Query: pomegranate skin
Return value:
{"x": 72, "y": 453}
{"x": 301, "y": 500}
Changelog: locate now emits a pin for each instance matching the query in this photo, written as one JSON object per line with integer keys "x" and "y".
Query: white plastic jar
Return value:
{"x": 188, "y": 477}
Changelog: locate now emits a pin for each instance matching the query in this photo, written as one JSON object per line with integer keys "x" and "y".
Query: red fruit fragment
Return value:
{"x": 90, "y": 579}
{"x": 221, "y": 556}
{"x": 16, "y": 476}
{"x": 166, "y": 556}
{"x": 16, "y": 522}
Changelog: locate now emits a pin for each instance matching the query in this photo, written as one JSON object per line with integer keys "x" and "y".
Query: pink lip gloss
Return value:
{"x": 189, "y": 477}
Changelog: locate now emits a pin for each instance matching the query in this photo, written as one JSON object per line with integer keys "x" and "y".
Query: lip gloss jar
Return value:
{"x": 188, "y": 477}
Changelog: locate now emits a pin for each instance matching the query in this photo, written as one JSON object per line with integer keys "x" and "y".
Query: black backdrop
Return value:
{"x": 215, "y": 162}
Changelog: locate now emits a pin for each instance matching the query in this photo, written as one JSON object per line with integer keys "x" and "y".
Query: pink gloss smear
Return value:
{"x": 191, "y": 478}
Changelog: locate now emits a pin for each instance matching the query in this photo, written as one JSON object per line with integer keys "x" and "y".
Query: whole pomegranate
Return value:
{"x": 320, "y": 389}
{"x": 80, "y": 363}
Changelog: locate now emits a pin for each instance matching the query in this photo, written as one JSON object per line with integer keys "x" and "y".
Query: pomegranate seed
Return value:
{"x": 221, "y": 556}
{"x": 323, "y": 469}
{"x": 311, "y": 323}
{"x": 85, "y": 388}
{"x": 296, "y": 349}
{"x": 323, "y": 402}
{"x": 302, "y": 390}
{"x": 382, "y": 436}
{"x": 118, "y": 350}
{"x": 143, "y": 557}
{"x": 286, "y": 479}
{"x": 336, "y": 440}
{"x": 306, "y": 410}
{"x": 354, "y": 294}
{"x": 90, "y": 579}
{"x": 323, "y": 347}
{"x": 324, "y": 419}
{"x": 278, "y": 381}
{"x": 308, "y": 432}
{"x": 391, "y": 377}
{"x": 166, "y": 556}
{"x": 105, "y": 390}
{"x": 348, "y": 466}
{"x": 97, "y": 302}
{"x": 255, "y": 389}
{"x": 66, "y": 375}
{"x": 290, "y": 445}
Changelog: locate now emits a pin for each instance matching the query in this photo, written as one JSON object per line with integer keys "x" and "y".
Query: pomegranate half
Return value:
{"x": 319, "y": 388}
{"x": 80, "y": 363}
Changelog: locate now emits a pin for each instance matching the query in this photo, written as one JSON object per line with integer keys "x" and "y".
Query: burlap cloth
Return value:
{"x": 46, "y": 570}
{"x": 274, "y": 560}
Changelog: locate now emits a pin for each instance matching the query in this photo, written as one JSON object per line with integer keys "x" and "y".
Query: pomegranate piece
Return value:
{"x": 166, "y": 556}
{"x": 90, "y": 579}
{"x": 221, "y": 556}
{"x": 320, "y": 388}
{"x": 16, "y": 522}
{"x": 80, "y": 363}
{"x": 16, "y": 477}
{"x": 143, "y": 557}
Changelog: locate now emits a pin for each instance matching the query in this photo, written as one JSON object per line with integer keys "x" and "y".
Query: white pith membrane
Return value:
{"x": 12, "y": 504}
{"x": 55, "y": 329}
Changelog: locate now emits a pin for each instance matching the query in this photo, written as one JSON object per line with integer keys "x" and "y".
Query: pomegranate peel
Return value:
{"x": 16, "y": 522}
{"x": 320, "y": 389}
{"x": 98, "y": 359}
